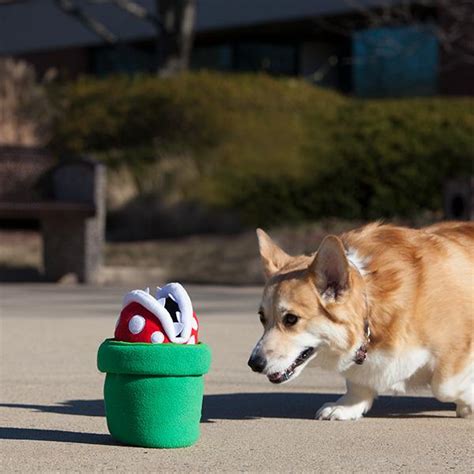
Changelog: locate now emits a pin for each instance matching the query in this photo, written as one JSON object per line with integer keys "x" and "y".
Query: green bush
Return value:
{"x": 400, "y": 152}
{"x": 269, "y": 149}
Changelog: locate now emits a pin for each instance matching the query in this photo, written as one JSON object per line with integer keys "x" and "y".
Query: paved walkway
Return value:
{"x": 52, "y": 416}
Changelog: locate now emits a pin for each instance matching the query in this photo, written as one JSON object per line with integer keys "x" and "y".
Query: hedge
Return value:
{"x": 270, "y": 149}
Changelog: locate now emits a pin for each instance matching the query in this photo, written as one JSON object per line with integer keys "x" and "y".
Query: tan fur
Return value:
{"x": 416, "y": 289}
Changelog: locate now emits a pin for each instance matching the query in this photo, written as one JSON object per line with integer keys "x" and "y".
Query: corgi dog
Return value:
{"x": 390, "y": 308}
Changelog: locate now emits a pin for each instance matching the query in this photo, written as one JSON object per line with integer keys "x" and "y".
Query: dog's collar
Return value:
{"x": 361, "y": 353}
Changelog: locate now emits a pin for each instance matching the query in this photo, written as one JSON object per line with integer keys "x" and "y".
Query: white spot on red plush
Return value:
{"x": 192, "y": 340}
{"x": 157, "y": 337}
{"x": 194, "y": 324}
{"x": 136, "y": 324}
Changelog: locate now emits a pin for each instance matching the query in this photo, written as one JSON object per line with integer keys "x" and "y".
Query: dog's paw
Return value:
{"x": 464, "y": 411}
{"x": 334, "y": 411}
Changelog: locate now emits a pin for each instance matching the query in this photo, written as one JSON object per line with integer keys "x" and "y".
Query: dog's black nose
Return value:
{"x": 257, "y": 363}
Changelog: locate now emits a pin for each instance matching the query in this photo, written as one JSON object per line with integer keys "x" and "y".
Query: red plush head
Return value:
{"x": 167, "y": 318}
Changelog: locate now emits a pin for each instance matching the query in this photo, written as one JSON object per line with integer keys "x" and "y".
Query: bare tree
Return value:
{"x": 98, "y": 28}
{"x": 174, "y": 27}
{"x": 178, "y": 18}
{"x": 174, "y": 30}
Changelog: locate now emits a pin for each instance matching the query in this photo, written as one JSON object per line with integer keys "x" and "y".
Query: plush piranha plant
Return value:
{"x": 154, "y": 385}
{"x": 167, "y": 317}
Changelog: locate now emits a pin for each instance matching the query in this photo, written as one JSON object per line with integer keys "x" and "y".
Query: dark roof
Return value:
{"x": 38, "y": 25}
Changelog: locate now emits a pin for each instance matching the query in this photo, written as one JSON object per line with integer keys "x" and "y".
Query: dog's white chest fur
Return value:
{"x": 384, "y": 371}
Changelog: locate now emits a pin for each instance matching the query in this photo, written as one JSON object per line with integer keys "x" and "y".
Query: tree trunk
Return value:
{"x": 174, "y": 43}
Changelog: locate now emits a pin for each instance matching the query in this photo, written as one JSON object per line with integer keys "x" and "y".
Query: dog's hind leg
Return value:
{"x": 457, "y": 388}
{"x": 351, "y": 406}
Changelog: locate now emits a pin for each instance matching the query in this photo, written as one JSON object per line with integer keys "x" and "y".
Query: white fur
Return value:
{"x": 357, "y": 261}
{"x": 327, "y": 335}
{"x": 382, "y": 371}
{"x": 385, "y": 371}
{"x": 351, "y": 406}
{"x": 280, "y": 364}
{"x": 458, "y": 389}
{"x": 331, "y": 335}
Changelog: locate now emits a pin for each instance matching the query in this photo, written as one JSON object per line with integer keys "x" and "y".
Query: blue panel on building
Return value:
{"x": 395, "y": 61}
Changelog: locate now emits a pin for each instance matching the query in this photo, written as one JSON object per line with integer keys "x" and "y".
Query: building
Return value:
{"x": 333, "y": 43}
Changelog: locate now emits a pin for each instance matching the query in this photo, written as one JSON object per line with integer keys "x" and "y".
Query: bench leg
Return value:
{"x": 72, "y": 246}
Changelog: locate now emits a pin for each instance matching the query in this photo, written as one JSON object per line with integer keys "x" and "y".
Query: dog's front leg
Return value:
{"x": 350, "y": 406}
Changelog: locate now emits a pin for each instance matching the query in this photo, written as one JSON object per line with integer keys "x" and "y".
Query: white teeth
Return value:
{"x": 178, "y": 294}
{"x": 194, "y": 324}
{"x": 192, "y": 340}
{"x": 161, "y": 301}
{"x": 147, "y": 290}
{"x": 178, "y": 327}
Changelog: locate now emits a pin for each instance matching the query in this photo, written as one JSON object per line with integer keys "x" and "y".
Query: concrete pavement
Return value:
{"x": 52, "y": 417}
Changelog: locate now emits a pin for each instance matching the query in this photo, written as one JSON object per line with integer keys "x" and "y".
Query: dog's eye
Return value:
{"x": 290, "y": 319}
{"x": 262, "y": 317}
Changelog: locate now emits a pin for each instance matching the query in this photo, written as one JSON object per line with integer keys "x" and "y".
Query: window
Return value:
{"x": 247, "y": 56}
{"x": 272, "y": 58}
{"x": 396, "y": 61}
{"x": 123, "y": 59}
{"x": 212, "y": 57}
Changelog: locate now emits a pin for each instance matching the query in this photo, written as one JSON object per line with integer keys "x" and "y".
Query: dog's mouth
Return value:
{"x": 279, "y": 377}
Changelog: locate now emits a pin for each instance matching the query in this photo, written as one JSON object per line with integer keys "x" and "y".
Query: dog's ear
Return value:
{"x": 330, "y": 268}
{"x": 273, "y": 257}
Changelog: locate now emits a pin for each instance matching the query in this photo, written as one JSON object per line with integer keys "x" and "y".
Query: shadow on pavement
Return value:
{"x": 34, "y": 434}
{"x": 241, "y": 406}
{"x": 69, "y": 407}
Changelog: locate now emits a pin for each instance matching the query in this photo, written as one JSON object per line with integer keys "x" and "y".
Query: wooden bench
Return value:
{"x": 68, "y": 198}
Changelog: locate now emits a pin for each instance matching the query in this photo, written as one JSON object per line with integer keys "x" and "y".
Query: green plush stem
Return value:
{"x": 153, "y": 392}
{"x": 119, "y": 357}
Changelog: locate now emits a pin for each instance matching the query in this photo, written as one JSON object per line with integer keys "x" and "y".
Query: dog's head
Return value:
{"x": 310, "y": 305}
